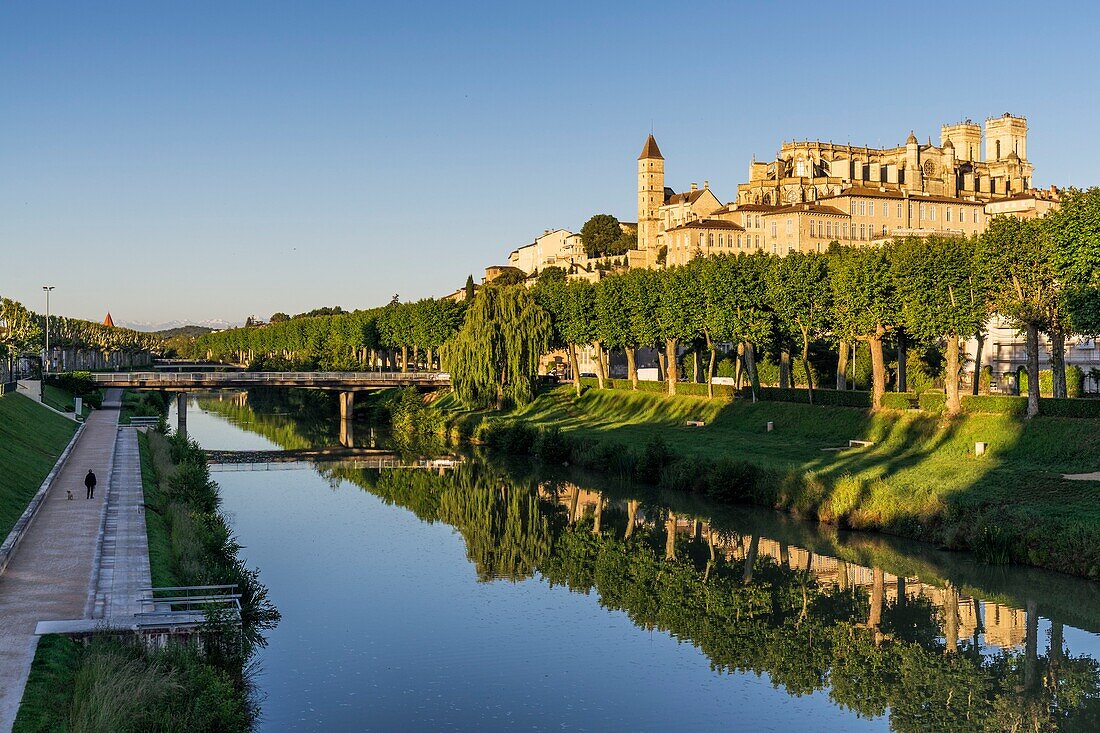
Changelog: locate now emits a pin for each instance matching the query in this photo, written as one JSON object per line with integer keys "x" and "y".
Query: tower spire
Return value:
{"x": 650, "y": 151}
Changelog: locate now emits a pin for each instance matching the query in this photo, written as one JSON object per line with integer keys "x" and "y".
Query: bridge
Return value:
{"x": 346, "y": 383}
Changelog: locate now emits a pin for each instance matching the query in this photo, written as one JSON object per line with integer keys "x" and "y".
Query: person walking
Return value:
{"x": 89, "y": 483}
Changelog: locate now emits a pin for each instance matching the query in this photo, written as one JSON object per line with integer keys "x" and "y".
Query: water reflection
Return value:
{"x": 921, "y": 639}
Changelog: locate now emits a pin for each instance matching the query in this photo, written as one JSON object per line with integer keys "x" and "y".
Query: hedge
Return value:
{"x": 995, "y": 404}
{"x": 843, "y": 398}
{"x": 935, "y": 402}
{"x": 898, "y": 400}
{"x": 1069, "y": 408}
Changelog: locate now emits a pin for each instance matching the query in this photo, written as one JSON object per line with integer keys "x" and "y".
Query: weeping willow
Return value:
{"x": 494, "y": 358}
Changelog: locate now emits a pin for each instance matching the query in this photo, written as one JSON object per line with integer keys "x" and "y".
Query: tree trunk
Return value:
{"x": 785, "y": 368}
{"x": 404, "y": 358}
{"x": 1032, "y": 370}
{"x": 842, "y": 366}
{"x": 806, "y": 364}
{"x": 670, "y": 537}
{"x": 696, "y": 367}
{"x": 662, "y": 367}
{"x": 632, "y": 367}
{"x": 574, "y": 365}
{"x": 739, "y": 366}
{"x": 979, "y": 337}
{"x": 878, "y": 369}
{"x": 951, "y": 619}
{"x": 631, "y": 517}
{"x": 750, "y": 367}
{"x": 878, "y": 595}
{"x": 903, "y": 381}
{"x": 750, "y": 559}
{"x": 600, "y": 373}
{"x": 671, "y": 370}
{"x": 1058, "y": 362}
{"x": 951, "y": 375}
{"x": 710, "y": 370}
{"x": 431, "y": 359}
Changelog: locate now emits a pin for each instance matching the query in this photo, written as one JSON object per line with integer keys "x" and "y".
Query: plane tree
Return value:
{"x": 802, "y": 298}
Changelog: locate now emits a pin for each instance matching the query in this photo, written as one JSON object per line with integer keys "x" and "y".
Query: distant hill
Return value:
{"x": 185, "y": 331}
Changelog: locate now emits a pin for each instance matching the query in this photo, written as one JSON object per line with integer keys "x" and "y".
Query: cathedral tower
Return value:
{"x": 1003, "y": 135}
{"x": 651, "y": 194}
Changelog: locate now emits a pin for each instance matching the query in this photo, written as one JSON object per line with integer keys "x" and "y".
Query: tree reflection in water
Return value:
{"x": 880, "y": 644}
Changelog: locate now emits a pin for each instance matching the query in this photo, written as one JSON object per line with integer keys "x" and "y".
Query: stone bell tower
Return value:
{"x": 651, "y": 194}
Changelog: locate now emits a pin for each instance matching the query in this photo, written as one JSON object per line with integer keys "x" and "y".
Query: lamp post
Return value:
{"x": 46, "y": 364}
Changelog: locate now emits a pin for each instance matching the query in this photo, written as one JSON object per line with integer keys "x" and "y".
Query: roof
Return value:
{"x": 651, "y": 150}
{"x": 809, "y": 208}
{"x": 747, "y": 207}
{"x": 709, "y": 224}
{"x": 867, "y": 192}
{"x": 689, "y": 197}
{"x": 108, "y": 321}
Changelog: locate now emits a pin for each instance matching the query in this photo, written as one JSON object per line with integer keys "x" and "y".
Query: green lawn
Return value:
{"x": 921, "y": 477}
{"x": 61, "y": 400}
{"x": 31, "y": 439}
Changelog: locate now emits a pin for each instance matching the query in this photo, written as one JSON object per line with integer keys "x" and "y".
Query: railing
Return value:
{"x": 183, "y": 603}
{"x": 306, "y": 378}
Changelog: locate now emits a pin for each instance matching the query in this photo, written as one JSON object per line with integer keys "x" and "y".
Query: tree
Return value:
{"x": 494, "y": 357}
{"x": 943, "y": 293}
{"x": 802, "y": 298}
{"x": 642, "y": 300}
{"x": 19, "y": 331}
{"x": 1075, "y": 232}
{"x": 278, "y": 318}
{"x": 578, "y": 325}
{"x": 470, "y": 287}
{"x": 601, "y": 235}
{"x": 1023, "y": 287}
{"x": 613, "y": 319}
{"x": 865, "y": 305}
{"x": 680, "y": 314}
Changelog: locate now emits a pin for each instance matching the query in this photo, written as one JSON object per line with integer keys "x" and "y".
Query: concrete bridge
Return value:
{"x": 346, "y": 383}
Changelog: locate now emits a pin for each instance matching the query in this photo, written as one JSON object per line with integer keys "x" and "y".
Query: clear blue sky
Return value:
{"x": 211, "y": 160}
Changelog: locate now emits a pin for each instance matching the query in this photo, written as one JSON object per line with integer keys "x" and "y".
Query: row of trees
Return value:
{"x": 1043, "y": 275}
{"x": 22, "y": 331}
{"x": 398, "y": 335}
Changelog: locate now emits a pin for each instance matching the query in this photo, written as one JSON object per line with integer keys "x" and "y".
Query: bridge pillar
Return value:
{"x": 347, "y": 406}
{"x": 347, "y": 434}
{"x": 181, "y": 413}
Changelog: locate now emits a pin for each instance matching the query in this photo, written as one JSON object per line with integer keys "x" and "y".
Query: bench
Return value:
{"x": 695, "y": 423}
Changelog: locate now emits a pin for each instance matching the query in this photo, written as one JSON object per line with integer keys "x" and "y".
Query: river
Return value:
{"x": 487, "y": 597}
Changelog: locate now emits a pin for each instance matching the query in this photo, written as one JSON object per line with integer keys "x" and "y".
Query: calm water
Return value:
{"x": 486, "y": 598}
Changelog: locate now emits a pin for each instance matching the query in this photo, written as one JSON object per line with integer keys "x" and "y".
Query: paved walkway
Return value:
{"x": 124, "y": 564}
{"x": 49, "y": 576}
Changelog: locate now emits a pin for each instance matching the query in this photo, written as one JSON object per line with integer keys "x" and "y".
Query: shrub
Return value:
{"x": 995, "y": 404}
{"x": 836, "y": 398}
{"x": 898, "y": 400}
{"x": 652, "y": 461}
{"x": 1081, "y": 408}
{"x": 732, "y": 481}
{"x": 935, "y": 402}
{"x": 683, "y": 475}
{"x": 509, "y": 436}
{"x": 552, "y": 445}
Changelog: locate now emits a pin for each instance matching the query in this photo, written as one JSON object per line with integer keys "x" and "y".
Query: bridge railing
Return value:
{"x": 185, "y": 378}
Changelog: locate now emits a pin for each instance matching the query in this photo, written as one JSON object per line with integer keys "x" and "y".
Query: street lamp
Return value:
{"x": 47, "y": 288}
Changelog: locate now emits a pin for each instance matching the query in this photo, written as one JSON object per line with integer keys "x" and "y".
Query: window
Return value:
{"x": 773, "y": 228}
{"x": 863, "y": 231}
{"x": 758, "y": 241}
{"x": 829, "y": 230}
{"x": 863, "y": 208}
{"x": 710, "y": 240}
{"x": 738, "y": 241}
{"x": 948, "y": 213}
{"x": 884, "y": 230}
{"x": 789, "y": 223}
{"x": 758, "y": 221}
{"x": 922, "y": 212}
{"x": 846, "y": 230}
{"x": 871, "y": 209}
{"x": 813, "y": 228}
{"x": 975, "y": 215}
{"x": 899, "y": 210}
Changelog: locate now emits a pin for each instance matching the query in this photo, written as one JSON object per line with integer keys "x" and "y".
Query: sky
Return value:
{"x": 209, "y": 161}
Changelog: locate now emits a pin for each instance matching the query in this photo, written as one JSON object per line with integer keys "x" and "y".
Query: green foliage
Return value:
{"x": 494, "y": 358}
{"x": 898, "y": 400}
{"x": 1088, "y": 409}
{"x": 934, "y": 402}
{"x": 602, "y": 236}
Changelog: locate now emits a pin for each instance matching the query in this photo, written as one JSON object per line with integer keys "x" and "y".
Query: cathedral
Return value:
{"x": 815, "y": 192}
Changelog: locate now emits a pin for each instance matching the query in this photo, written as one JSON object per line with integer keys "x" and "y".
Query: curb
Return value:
{"x": 15, "y": 537}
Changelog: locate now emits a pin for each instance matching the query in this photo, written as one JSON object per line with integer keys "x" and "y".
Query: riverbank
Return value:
{"x": 116, "y": 682}
{"x": 31, "y": 439}
{"x": 918, "y": 478}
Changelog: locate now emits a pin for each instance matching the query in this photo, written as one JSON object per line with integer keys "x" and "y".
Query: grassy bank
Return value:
{"x": 31, "y": 439}
{"x": 114, "y": 682}
{"x": 920, "y": 478}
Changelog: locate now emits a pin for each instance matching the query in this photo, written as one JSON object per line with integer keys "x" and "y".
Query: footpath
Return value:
{"x": 81, "y": 559}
